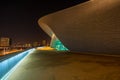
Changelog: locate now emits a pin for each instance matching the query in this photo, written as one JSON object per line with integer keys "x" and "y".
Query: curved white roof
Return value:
{"x": 91, "y": 26}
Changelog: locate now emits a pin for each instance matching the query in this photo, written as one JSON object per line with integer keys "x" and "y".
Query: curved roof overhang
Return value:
{"x": 90, "y": 26}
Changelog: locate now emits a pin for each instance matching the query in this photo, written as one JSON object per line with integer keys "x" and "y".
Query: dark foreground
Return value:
{"x": 53, "y": 65}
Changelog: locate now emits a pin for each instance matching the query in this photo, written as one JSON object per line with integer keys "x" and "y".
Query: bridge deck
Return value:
{"x": 53, "y": 65}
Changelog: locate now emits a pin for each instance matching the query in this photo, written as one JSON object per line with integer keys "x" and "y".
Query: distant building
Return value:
{"x": 5, "y": 42}
{"x": 36, "y": 44}
{"x": 27, "y": 45}
{"x": 44, "y": 43}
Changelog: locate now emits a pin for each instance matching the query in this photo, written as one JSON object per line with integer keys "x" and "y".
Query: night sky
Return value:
{"x": 18, "y": 20}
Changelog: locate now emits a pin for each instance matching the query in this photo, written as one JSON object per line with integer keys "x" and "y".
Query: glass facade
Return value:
{"x": 57, "y": 44}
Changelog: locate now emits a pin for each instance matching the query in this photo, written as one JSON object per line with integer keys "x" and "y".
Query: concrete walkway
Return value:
{"x": 53, "y": 65}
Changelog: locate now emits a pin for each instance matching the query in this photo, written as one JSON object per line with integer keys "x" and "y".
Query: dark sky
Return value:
{"x": 18, "y": 20}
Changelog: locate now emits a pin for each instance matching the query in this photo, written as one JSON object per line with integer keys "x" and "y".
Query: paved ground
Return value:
{"x": 53, "y": 65}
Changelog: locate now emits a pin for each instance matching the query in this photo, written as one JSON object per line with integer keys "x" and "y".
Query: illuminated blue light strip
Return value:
{"x": 9, "y": 65}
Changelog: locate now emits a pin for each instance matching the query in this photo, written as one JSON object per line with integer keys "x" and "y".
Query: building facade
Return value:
{"x": 93, "y": 26}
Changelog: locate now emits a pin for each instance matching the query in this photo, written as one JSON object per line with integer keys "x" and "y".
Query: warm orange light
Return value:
{"x": 45, "y": 48}
{"x": 9, "y": 52}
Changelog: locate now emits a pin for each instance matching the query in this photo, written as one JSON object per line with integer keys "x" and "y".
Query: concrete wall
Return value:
{"x": 91, "y": 26}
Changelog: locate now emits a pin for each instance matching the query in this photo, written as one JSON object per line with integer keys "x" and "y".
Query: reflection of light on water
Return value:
{"x": 9, "y": 65}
